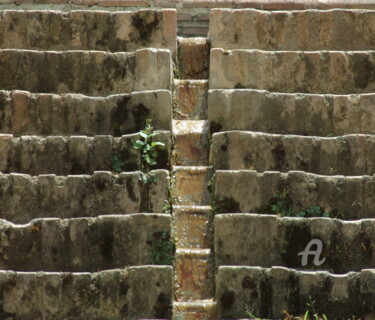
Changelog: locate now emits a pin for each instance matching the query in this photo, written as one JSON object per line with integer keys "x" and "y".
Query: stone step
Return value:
{"x": 288, "y": 194}
{"x": 76, "y": 154}
{"x": 190, "y": 100}
{"x": 296, "y": 30}
{"x": 304, "y": 114}
{"x": 86, "y": 244}
{"x": 192, "y": 226}
{"x": 25, "y": 113}
{"x": 87, "y": 72}
{"x": 244, "y": 150}
{"x": 193, "y": 56}
{"x": 196, "y": 310}
{"x": 193, "y": 274}
{"x": 24, "y": 197}
{"x": 88, "y": 30}
{"x": 191, "y": 142}
{"x": 135, "y": 292}
{"x": 332, "y": 72}
{"x": 269, "y": 292}
{"x": 191, "y": 186}
{"x": 268, "y": 240}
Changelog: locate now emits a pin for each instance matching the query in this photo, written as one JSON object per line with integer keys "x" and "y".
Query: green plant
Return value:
{"x": 167, "y": 208}
{"x": 117, "y": 163}
{"x": 311, "y": 309}
{"x": 249, "y": 312}
{"x": 281, "y": 205}
{"x": 148, "y": 149}
{"x": 161, "y": 247}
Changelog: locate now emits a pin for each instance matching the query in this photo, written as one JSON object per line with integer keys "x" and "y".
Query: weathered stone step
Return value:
{"x": 87, "y": 72}
{"x": 266, "y": 241}
{"x": 135, "y": 292}
{"x": 296, "y": 30}
{"x": 293, "y": 71}
{"x": 343, "y": 197}
{"x": 88, "y": 30}
{"x": 269, "y": 292}
{"x": 190, "y": 100}
{"x": 191, "y": 142}
{"x": 193, "y": 274}
{"x": 191, "y": 186}
{"x": 85, "y": 244}
{"x": 76, "y": 154}
{"x": 24, "y": 197}
{"x": 304, "y": 114}
{"x": 196, "y": 310}
{"x": 25, "y": 113}
{"x": 193, "y": 56}
{"x": 192, "y": 226}
{"x": 244, "y": 150}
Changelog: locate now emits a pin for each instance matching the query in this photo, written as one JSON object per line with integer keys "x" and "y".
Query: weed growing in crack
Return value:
{"x": 161, "y": 247}
{"x": 148, "y": 148}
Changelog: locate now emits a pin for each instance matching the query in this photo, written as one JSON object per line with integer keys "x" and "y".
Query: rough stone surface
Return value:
{"x": 193, "y": 58}
{"x": 244, "y": 150}
{"x": 24, "y": 198}
{"x": 191, "y": 142}
{"x": 293, "y": 71}
{"x": 292, "y": 30}
{"x": 190, "y": 100}
{"x": 88, "y": 30}
{"x": 304, "y": 114}
{"x": 271, "y": 291}
{"x": 25, "y": 113}
{"x": 87, "y": 72}
{"x": 84, "y": 244}
{"x": 192, "y": 185}
{"x": 63, "y": 155}
{"x": 265, "y": 240}
{"x": 250, "y": 192}
{"x": 135, "y": 292}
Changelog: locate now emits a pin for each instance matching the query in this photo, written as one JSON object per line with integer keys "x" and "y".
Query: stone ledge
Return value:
{"x": 63, "y": 155}
{"x": 326, "y": 72}
{"x": 271, "y": 291}
{"x": 268, "y": 240}
{"x": 255, "y": 110}
{"x": 133, "y": 293}
{"x": 25, "y": 197}
{"x": 88, "y": 30}
{"x": 81, "y": 245}
{"x": 350, "y": 155}
{"x": 95, "y": 73}
{"x": 26, "y": 113}
{"x": 248, "y": 191}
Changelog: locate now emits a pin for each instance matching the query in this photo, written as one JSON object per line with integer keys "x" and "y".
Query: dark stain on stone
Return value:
{"x": 145, "y": 29}
{"x": 227, "y": 299}
{"x": 248, "y": 283}
{"x": 215, "y": 127}
{"x": 163, "y": 306}
{"x": 224, "y": 148}
{"x": 239, "y": 86}
{"x": 140, "y": 113}
{"x": 279, "y": 156}
{"x": 363, "y": 71}
{"x": 227, "y": 205}
{"x": 130, "y": 190}
{"x": 120, "y": 115}
{"x": 106, "y": 246}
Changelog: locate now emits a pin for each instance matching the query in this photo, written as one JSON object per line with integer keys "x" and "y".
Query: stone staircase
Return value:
{"x": 82, "y": 237}
{"x": 292, "y": 153}
{"x": 268, "y": 130}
